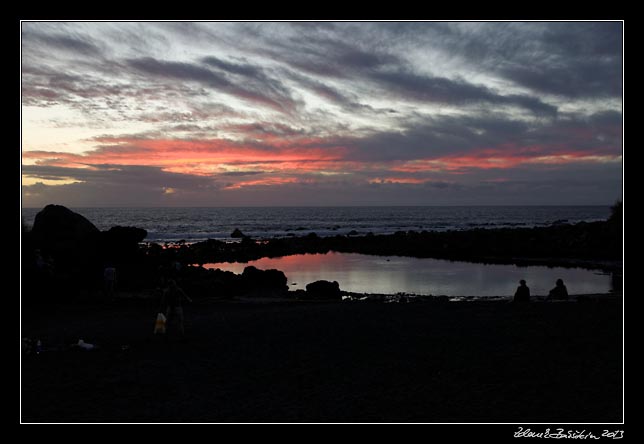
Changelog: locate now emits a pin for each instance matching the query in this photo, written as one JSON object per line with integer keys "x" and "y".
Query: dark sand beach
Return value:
{"x": 430, "y": 362}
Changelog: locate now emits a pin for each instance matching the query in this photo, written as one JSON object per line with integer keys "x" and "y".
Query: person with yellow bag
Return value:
{"x": 159, "y": 324}
{"x": 172, "y": 299}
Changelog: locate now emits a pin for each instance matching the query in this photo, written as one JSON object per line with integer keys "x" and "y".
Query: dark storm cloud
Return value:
{"x": 456, "y": 92}
{"x": 581, "y": 60}
{"x": 94, "y": 91}
{"x": 251, "y": 75}
{"x": 329, "y": 56}
{"x": 599, "y": 133}
{"x": 327, "y": 92}
{"x": 75, "y": 44}
{"x": 107, "y": 174}
{"x": 585, "y": 39}
{"x": 335, "y": 58}
{"x": 611, "y": 118}
{"x": 579, "y": 79}
{"x": 575, "y": 60}
{"x": 180, "y": 71}
{"x": 437, "y": 137}
{"x": 266, "y": 92}
{"x": 243, "y": 69}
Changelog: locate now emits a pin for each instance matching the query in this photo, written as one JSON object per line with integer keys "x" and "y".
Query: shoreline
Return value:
{"x": 594, "y": 245}
{"x": 65, "y": 254}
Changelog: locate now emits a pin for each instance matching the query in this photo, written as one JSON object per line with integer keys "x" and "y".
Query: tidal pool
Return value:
{"x": 361, "y": 273}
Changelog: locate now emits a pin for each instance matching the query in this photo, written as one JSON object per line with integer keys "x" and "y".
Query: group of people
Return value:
{"x": 523, "y": 292}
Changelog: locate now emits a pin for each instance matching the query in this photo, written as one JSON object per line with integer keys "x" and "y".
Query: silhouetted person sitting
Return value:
{"x": 559, "y": 292}
{"x": 523, "y": 292}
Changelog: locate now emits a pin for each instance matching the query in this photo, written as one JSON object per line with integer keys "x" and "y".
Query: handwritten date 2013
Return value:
{"x": 568, "y": 434}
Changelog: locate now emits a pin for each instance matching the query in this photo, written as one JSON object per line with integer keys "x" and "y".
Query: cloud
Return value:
{"x": 241, "y": 173}
{"x": 76, "y": 44}
{"x": 336, "y": 55}
{"x": 115, "y": 185}
{"x": 455, "y": 92}
{"x": 450, "y": 145}
{"x": 245, "y": 70}
{"x": 423, "y": 111}
{"x": 572, "y": 60}
{"x": 107, "y": 174}
{"x": 575, "y": 80}
{"x": 180, "y": 71}
{"x": 273, "y": 94}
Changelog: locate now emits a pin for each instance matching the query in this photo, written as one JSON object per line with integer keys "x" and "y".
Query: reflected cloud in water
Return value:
{"x": 423, "y": 276}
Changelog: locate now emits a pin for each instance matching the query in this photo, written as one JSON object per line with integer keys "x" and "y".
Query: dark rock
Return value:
{"x": 121, "y": 244}
{"x": 264, "y": 281}
{"x": 324, "y": 290}
{"x": 125, "y": 235}
{"x": 353, "y": 233}
{"x": 66, "y": 235}
{"x": 237, "y": 233}
{"x": 199, "y": 282}
{"x": 616, "y": 215}
{"x": 548, "y": 245}
{"x": 69, "y": 247}
{"x": 55, "y": 224}
{"x": 248, "y": 242}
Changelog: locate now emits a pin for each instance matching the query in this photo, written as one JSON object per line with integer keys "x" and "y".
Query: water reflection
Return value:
{"x": 377, "y": 274}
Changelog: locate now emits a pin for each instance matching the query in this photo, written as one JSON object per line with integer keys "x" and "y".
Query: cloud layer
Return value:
{"x": 321, "y": 113}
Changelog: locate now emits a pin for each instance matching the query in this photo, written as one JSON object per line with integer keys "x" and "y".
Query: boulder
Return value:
{"x": 125, "y": 235}
{"x": 264, "y": 281}
{"x": 324, "y": 290}
{"x": 121, "y": 244}
{"x": 64, "y": 233}
{"x": 56, "y": 223}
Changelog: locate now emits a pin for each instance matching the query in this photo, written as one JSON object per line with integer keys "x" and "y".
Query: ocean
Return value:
{"x": 197, "y": 224}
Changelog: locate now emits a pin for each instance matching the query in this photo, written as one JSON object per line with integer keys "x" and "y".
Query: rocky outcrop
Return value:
{"x": 120, "y": 244}
{"x": 264, "y": 281}
{"x": 323, "y": 290}
{"x": 237, "y": 234}
{"x": 58, "y": 226}
{"x": 126, "y": 236}
{"x": 552, "y": 245}
{"x": 65, "y": 235}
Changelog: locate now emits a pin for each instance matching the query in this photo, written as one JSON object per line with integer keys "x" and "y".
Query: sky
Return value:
{"x": 321, "y": 113}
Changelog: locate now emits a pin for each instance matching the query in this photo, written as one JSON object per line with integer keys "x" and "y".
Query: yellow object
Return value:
{"x": 159, "y": 325}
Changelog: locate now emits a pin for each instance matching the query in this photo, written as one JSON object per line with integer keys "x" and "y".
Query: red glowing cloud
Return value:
{"x": 189, "y": 156}
{"x": 274, "y": 159}
{"x": 484, "y": 159}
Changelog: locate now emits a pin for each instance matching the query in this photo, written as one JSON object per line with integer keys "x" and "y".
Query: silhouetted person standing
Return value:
{"x": 173, "y": 297}
{"x": 523, "y": 292}
{"x": 109, "y": 280}
{"x": 559, "y": 292}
